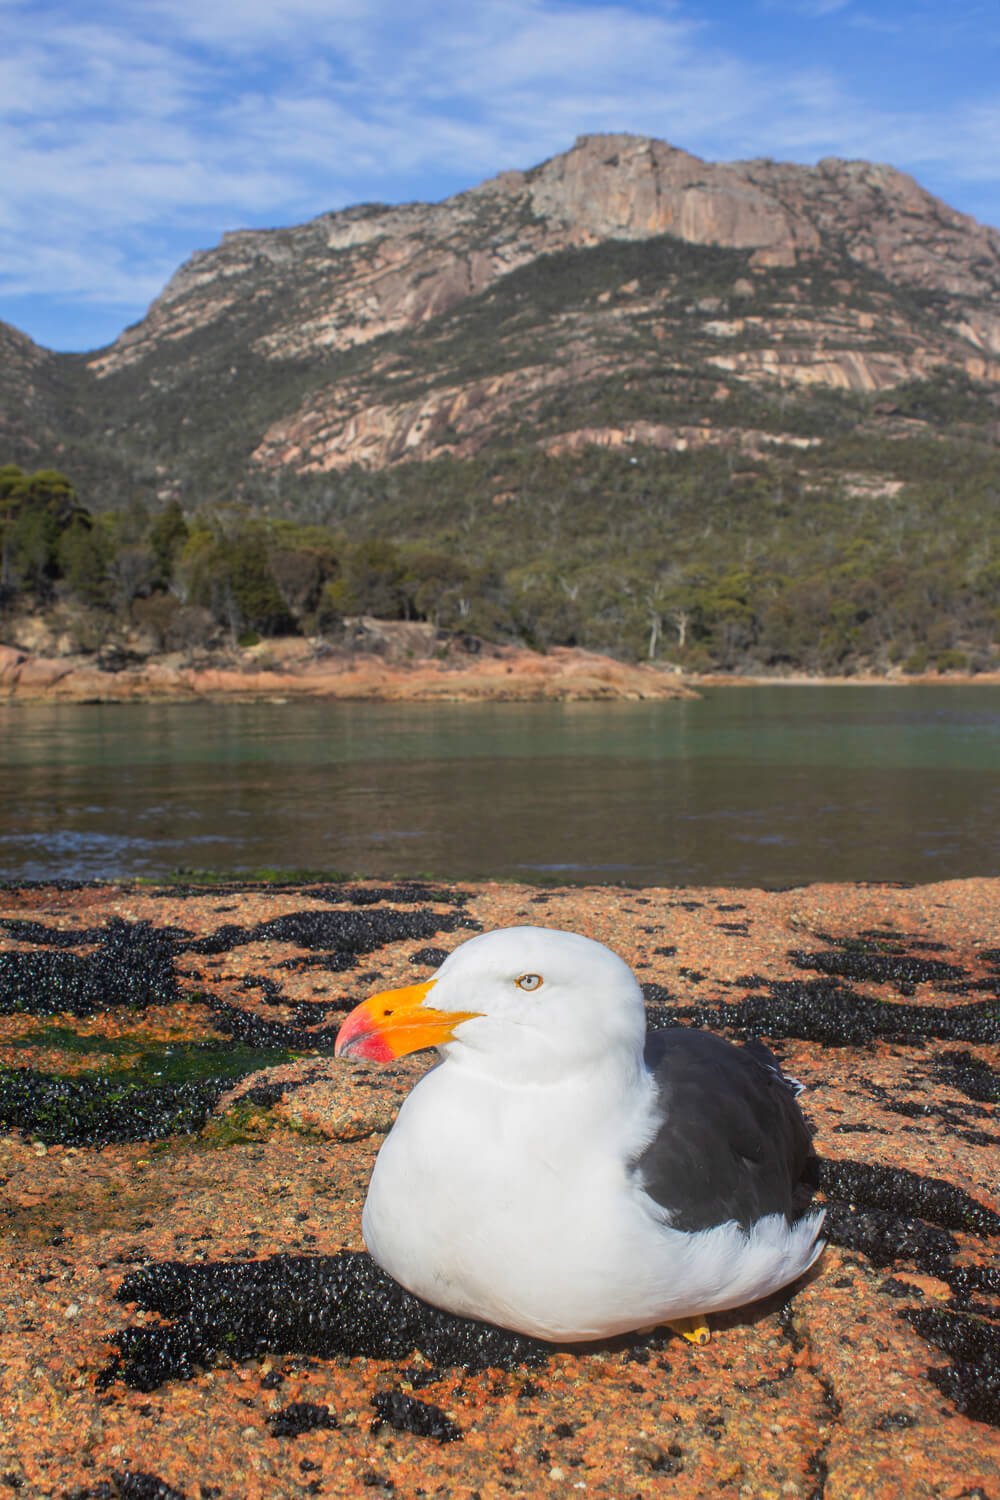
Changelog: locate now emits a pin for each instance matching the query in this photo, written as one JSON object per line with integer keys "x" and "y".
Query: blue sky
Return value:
{"x": 137, "y": 131}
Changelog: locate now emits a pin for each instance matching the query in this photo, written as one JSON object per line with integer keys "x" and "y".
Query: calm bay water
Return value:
{"x": 754, "y": 786}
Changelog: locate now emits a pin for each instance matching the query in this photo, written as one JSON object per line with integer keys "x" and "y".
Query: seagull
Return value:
{"x": 560, "y": 1173}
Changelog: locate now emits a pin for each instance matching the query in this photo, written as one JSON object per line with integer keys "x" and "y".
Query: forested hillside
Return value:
{"x": 741, "y": 417}
{"x": 707, "y": 559}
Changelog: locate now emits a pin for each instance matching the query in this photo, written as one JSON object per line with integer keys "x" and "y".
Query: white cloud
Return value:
{"x": 241, "y": 26}
{"x": 819, "y": 8}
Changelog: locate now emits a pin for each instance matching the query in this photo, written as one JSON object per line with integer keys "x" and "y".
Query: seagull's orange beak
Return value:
{"x": 396, "y": 1022}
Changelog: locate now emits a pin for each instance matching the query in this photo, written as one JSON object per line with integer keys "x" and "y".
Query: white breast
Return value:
{"x": 520, "y": 1210}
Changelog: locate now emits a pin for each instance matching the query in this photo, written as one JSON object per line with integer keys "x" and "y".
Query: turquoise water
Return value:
{"x": 752, "y": 786}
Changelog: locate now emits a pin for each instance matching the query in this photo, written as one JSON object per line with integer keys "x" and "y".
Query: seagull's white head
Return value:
{"x": 524, "y": 1002}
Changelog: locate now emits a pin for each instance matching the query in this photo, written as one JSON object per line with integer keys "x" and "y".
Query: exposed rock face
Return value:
{"x": 673, "y": 439}
{"x": 394, "y": 267}
{"x": 383, "y": 661}
{"x": 377, "y": 335}
{"x": 341, "y": 429}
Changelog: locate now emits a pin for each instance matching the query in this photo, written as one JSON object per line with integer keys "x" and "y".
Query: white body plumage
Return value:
{"x": 506, "y": 1189}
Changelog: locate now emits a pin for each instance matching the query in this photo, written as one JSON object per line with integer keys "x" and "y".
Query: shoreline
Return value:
{"x": 486, "y": 673}
{"x": 299, "y": 670}
{"x": 866, "y": 679}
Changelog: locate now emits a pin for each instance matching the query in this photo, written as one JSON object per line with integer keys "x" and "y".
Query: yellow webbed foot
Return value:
{"x": 695, "y": 1329}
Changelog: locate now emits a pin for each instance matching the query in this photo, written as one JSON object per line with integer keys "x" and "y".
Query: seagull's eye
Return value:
{"x": 529, "y": 982}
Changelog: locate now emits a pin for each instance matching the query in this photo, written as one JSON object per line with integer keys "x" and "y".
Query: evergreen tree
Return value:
{"x": 167, "y": 536}
{"x": 83, "y": 554}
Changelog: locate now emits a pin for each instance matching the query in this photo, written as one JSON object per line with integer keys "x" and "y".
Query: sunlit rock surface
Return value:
{"x": 184, "y": 1164}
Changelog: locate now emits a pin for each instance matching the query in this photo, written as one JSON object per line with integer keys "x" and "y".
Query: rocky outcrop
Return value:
{"x": 842, "y": 369}
{"x": 382, "y": 662}
{"x": 674, "y": 439}
{"x": 340, "y": 428}
{"x": 840, "y": 348}
{"x": 188, "y": 1322}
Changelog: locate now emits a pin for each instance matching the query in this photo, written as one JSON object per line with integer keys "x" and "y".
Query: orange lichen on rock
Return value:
{"x": 188, "y": 1306}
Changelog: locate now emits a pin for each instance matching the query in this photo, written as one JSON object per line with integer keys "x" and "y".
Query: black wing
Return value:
{"x": 732, "y": 1142}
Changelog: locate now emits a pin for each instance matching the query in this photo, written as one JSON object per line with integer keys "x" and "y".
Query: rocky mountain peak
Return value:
{"x": 379, "y": 334}
{"x": 355, "y": 274}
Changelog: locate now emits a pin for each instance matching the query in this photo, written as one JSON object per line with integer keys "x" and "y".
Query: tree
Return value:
{"x": 11, "y": 477}
{"x": 371, "y": 582}
{"x": 253, "y": 599}
{"x": 37, "y": 509}
{"x": 167, "y": 536}
{"x": 134, "y": 574}
{"x": 439, "y": 586}
{"x": 83, "y": 553}
{"x": 229, "y": 573}
{"x": 299, "y": 574}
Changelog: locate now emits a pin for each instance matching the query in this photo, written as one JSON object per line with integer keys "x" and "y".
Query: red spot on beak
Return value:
{"x": 358, "y": 1038}
{"x": 396, "y": 1022}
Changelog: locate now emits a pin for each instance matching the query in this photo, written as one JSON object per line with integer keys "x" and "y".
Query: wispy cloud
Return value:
{"x": 814, "y": 9}
{"x": 135, "y": 135}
